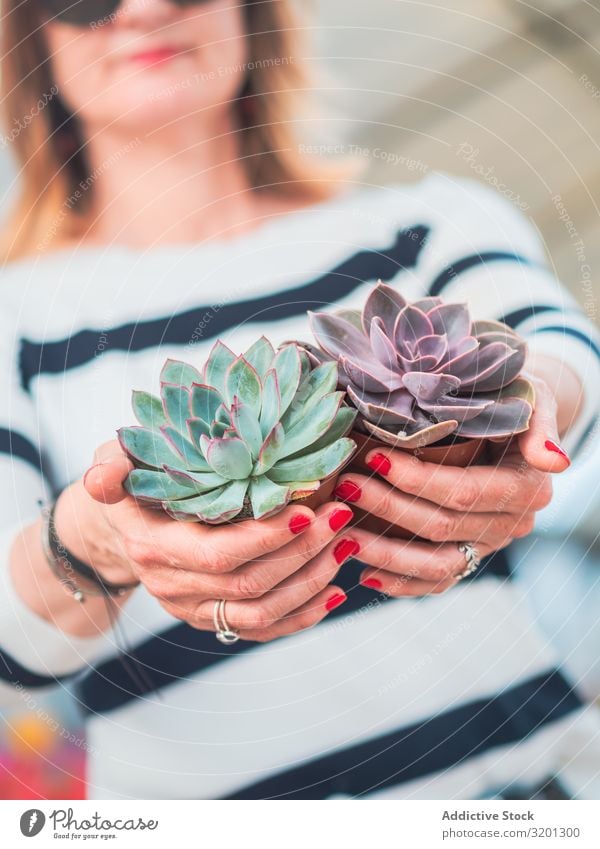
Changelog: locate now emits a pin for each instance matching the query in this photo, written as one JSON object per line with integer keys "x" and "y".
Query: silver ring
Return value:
{"x": 224, "y": 633}
{"x": 472, "y": 557}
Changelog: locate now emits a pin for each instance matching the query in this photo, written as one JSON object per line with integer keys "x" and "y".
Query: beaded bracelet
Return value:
{"x": 70, "y": 570}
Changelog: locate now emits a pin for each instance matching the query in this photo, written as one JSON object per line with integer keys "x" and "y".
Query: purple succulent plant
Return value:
{"x": 419, "y": 372}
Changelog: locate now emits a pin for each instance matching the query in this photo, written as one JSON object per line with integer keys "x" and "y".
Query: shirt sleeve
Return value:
{"x": 33, "y": 651}
{"x": 482, "y": 249}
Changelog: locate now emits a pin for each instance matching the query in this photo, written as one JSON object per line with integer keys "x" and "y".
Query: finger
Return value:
{"x": 476, "y": 488}
{"x": 259, "y": 576}
{"x": 104, "y": 479}
{"x": 540, "y": 444}
{"x": 427, "y": 520}
{"x": 306, "y": 616}
{"x": 424, "y": 561}
{"x": 292, "y": 593}
{"x": 400, "y": 586}
{"x": 213, "y": 549}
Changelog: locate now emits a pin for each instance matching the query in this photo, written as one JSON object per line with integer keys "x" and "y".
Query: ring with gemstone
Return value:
{"x": 224, "y": 633}
{"x": 472, "y": 557}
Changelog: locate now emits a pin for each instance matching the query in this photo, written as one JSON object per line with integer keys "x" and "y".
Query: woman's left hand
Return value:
{"x": 488, "y": 505}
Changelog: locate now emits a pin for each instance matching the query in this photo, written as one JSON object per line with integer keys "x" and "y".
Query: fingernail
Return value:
{"x": 91, "y": 469}
{"x": 550, "y": 445}
{"x": 379, "y": 463}
{"x": 372, "y": 583}
{"x": 348, "y": 491}
{"x": 344, "y": 549}
{"x": 299, "y": 523}
{"x": 340, "y": 517}
{"x": 336, "y": 600}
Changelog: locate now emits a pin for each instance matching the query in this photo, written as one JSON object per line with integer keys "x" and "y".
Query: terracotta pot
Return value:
{"x": 460, "y": 453}
{"x": 323, "y": 494}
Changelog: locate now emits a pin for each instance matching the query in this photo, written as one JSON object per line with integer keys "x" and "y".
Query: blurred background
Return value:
{"x": 504, "y": 91}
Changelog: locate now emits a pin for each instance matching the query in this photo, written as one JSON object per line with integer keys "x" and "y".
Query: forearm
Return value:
{"x": 43, "y": 592}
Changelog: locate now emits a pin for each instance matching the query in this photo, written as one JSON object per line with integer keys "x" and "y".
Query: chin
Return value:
{"x": 165, "y": 93}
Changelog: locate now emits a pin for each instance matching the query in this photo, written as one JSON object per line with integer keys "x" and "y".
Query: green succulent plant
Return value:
{"x": 241, "y": 438}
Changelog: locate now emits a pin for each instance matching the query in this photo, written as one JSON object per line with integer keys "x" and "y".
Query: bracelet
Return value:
{"x": 69, "y": 569}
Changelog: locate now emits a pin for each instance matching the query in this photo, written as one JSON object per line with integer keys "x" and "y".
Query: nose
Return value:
{"x": 149, "y": 12}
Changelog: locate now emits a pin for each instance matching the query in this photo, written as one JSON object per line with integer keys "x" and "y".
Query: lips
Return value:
{"x": 155, "y": 55}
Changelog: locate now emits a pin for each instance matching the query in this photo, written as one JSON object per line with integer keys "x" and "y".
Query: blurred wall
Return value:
{"x": 502, "y": 90}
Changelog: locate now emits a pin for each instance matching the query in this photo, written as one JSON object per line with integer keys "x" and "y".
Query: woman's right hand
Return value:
{"x": 274, "y": 574}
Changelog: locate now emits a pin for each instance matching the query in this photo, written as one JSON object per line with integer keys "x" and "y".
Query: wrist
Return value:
{"x": 84, "y": 530}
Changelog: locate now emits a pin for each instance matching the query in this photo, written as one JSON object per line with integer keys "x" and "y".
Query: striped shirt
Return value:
{"x": 449, "y": 696}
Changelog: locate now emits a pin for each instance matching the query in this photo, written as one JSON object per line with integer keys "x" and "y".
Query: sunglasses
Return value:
{"x": 89, "y": 12}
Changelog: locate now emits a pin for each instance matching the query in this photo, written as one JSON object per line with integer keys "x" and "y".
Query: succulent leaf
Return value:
{"x": 260, "y": 356}
{"x": 498, "y": 418}
{"x": 191, "y": 456}
{"x": 318, "y": 465}
{"x": 196, "y": 429}
{"x": 382, "y": 346}
{"x": 152, "y": 486}
{"x": 197, "y": 482}
{"x": 411, "y": 325}
{"x": 229, "y": 458}
{"x": 385, "y": 303}
{"x": 453, "y": 320}
{"x": 246, "y": 424}
{"x": 271, "y": 403}
{"x": 394, "y": 408}
{"x": 270, "y": 451}
{"x": 371, "y": 378}
{"x": 244, "y": 384}
{"x": 420, "y": 439}
{"x": 182, "y": 374}
{"x": 337, "y": 336}
{"x": 341, "y": 426}
{"x": 319, "y": 382}
{"x": 147, "y": 448}
{"x": 214, "y": 508}
{"x": 317, "y": 421}
{"x": 288, "y": 367}
{"x": 267, "y": 497}
{"x": 426, "y": 386}
{"x": 204, "y": 402}
{"x": 218, "y": 429}
{"x": 148, "y": 410}
{"x": 219, "y": 360}
{"x": 176, "y": 404}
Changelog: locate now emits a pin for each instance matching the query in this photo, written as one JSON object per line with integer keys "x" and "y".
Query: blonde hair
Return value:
{"x": 51, "y": 168}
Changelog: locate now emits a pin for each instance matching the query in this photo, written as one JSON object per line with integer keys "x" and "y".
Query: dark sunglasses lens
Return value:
{"x": 82, "y": 12}
{"x": 93, "y": 12}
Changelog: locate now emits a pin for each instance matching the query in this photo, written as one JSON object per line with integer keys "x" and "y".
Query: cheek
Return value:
{"x": 76, "y": 64}
{"x": 102, "y": 88}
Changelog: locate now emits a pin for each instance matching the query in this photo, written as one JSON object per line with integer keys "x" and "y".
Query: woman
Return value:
{"x": 163, "y": 203}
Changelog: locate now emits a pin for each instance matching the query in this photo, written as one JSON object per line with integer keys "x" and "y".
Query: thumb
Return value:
{"x": 540, "y": 445}
{"x": 104, "y": 479}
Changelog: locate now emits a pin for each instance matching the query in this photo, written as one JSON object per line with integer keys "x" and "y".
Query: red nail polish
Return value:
{"x": 372, "y": 583}
{"x": 340, "y": 517}
{"x": 348, "y": 491}
{"x": 344, "y": 549}
{"x": 550, "y": 445}
{"x": 299, "y": 523}
{"x": 336, "y": 600}
{"x": 380, "y": 464}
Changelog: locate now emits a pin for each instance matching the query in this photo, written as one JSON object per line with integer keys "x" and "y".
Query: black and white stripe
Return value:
{"x": 385, "y": 698}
